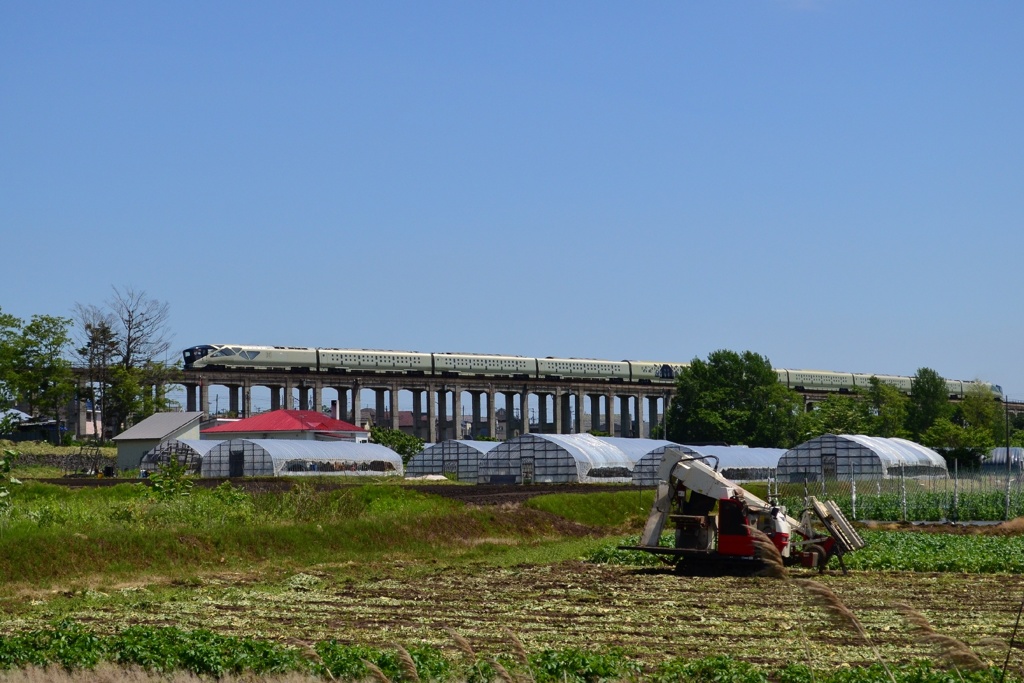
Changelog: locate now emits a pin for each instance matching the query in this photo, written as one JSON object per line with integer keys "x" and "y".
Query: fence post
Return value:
{"x": 956, "y": 491}
{"x": 903, "y": 492}
{"x": 853, "y": 498}
{"x": 1007, "y": 515}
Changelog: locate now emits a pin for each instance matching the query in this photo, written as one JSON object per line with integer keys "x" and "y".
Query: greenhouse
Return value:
{"x": 854, "y": 456}
{"x": 738, "y": 463}
{"x": 286, "y": 457}
{"x": 188, "y": 452}
{"x": 996, "y": 459}
{"x": 459, "y": 458}
{"x": 555, "y": 459}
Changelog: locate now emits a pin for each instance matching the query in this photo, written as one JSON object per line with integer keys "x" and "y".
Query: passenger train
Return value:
{"x": 340, "y": 361}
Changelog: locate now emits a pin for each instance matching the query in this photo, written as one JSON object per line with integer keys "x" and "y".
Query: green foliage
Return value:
{"x": 929, "y": 401}
{"x": 406, "y": 445}
{"x": 9, "y": 456}
{"x": 610, "y": 553}
{"x": 733, "y": 398}
{"x": 715, "y": 669}
{"x": 346, "y": 662}
{"x": 171, "y": 481}
{"x": 582, "y": 666}
{"x": 39, "y": 373}
{"x": 927, "y": 552}
{"x": 597, "y": 509}
{"x": 166, "y": 650}
{"x": 837, "y": 414}
{"x": 888, "y": 408}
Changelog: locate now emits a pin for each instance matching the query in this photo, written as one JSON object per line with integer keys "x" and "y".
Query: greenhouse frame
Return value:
{"x": 855, "y": 456}
{"x": 555, "y": 459}
{"x": 738, "y": 463}
{"x": 290, "y": 457}
{"x": 187, "y": 452}
{"x": 453, "y": 457}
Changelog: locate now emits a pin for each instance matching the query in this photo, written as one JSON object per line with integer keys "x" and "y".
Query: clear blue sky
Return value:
{"x": 835, "y": 185}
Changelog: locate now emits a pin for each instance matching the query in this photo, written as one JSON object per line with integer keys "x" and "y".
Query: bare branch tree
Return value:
{"x": 144, "y": 334}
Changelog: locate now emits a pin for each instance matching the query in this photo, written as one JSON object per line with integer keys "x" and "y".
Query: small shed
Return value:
{"x": 455, "y": 457}
{"x": 282, "y": 457}
{"x": 187, "y": 452}
{"x": 555, "y": 459}
{"x": 133, "y": 443}
{"x": 855, "y": 456}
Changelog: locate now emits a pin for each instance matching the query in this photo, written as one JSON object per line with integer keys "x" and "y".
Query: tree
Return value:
{"x": 888, "y": 409}
{"x": 406, "y": 445}
{"x": 99, "y": 345}
{"x": 979, "y": 409}
{"x": 43, "y": 376}
{"x": 10, "y": 331}
{"x": 733, "y": 398}
{"x": 929, "y": 401}
{"x": 144, "y": 337}
{"x": 837, "y": 414}
{"x": 124, "y": 346}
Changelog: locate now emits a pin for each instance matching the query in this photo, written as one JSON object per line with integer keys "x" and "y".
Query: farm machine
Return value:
{"x": 715, "y": 521}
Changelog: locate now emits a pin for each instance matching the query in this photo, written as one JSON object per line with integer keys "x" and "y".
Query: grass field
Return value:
{"x": 313, "y": 574}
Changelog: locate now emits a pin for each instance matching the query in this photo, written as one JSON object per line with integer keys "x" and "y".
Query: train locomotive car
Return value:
{"x": 302, "y": 359}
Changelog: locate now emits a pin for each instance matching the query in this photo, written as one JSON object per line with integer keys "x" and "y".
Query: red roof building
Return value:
{"x": 288, "y": 424}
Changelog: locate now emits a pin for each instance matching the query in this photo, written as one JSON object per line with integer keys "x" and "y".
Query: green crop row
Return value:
{"x": 886, "y": 550}
{"x": 166, "y": 649}
{"x": 981, "y": 505}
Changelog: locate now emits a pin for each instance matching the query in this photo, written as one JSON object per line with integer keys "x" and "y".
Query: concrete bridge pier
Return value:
{"x": 431, "y": 415}
{"x": 510, "y": 413}
{"x": 395, "y": 424}
{"x": 191, "y": 397}
{"x": 524, "y": 410}
{"x": 476, "y": 413}
{"x": 565, "y": 411}
{"x": 492, "y": 414}
{"x": 442, "y": 414}
{"x": 379, "y": 410}
{"x": 356, "y": 408}
{"x": 542, "y": 412}
{"x": 417, "y": 414}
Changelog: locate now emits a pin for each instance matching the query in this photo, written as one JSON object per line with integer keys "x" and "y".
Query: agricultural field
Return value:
{"x": 322, "y": 581}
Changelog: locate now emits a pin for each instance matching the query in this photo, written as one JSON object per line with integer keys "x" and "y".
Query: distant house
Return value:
{"x": 288, "y": 424}
{"x": 133, "y": 443}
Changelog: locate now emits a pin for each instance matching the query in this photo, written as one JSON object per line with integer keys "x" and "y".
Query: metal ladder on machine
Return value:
{"x": 835, "y": 522}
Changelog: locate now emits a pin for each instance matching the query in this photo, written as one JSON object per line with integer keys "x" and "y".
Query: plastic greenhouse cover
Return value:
{"x": 585, "y": 448}
{"x": 301, "y": 449}
{"x": 741, "y": 456}
{"x": 894, "y": 452}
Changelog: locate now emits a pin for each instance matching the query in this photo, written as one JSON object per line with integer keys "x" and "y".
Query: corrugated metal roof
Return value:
{"x": 286, "y": 421}
{"x": 159, "y": 426}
